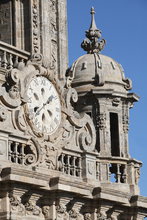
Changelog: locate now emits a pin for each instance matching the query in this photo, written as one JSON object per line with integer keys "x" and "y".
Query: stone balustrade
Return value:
{"x": 113, "y": 169}
{"x": 21, "y": 153}
{"x": 70, "y": 165}
{"x": 10, "y": 56}
{"x": 118, "y": 170}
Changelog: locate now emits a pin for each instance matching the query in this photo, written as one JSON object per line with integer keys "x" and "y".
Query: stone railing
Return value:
{"x": 70, "y": 165}
{"x": 10, "y": 56}
{"x": 108, "y": 170}
{"x": 118, "y": 170}
{"x": 21, "y": 153}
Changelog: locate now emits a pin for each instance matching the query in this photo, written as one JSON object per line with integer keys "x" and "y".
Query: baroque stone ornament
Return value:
{"x": 101, "y": 121}
{"x": 87, "y": 216}
{"x": 32, "y": 209}
{"x": 46, "y": 212}
{"x": 92, "y": 44}
{"x": 42, "y": 111}
{"x": 75, "y": 214}
{"x": 62, "y": 212}
{"x": 35, "y": 24}
{"x": 16, "y": 205}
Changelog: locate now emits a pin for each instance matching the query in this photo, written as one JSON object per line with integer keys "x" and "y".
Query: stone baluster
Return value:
{"x": 16, "y": 152}
{"x": 15, "y": 61}
{"x": 68, "y": 164}
{"x": 22, "y": 153}
{"x": 10, "y": 150}
{"x": 80, "y": 167}
{"x": 10, "y": 61}
{"x": 74, "y": 165}
{"x": 124, "y": 175}
{"x": 63, "y": 163}
{"x": 118, "y": 174}
{"x": 98, "y": 171}
{"x": 4, "y": 60}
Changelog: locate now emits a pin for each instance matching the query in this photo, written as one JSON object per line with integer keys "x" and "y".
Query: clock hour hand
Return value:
{"x": 47, "y": 102}
{"x": 39, "y": 110}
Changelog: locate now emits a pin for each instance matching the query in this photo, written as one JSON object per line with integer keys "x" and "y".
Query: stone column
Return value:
{"x": 104, "y": 128}
{"x": 62, "y": 39}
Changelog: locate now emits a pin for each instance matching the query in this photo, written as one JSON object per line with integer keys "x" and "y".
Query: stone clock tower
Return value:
{"x": 64, "y": 152}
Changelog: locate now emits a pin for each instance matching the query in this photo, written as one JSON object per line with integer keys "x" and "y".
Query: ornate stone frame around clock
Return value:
{"x": 76, "y": 132}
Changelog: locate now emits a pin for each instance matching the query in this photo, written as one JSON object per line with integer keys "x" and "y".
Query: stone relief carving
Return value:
{"x": 125, "y": 119}
{"x": 87, "y": 216}
{"x": 16, "y": 205}
{"x": 101, "y": 121}
{"x": 44, "y": 149}
{"x": 53, "y": 63}
{"x": 32, "y": 209}
{"x": 53, "y": 4}
{"x": 46, "y": 211}
{"x": 116, "y": 101}
{"x": 62, "y": 212}
{"x": 125, "y": 123}
{"x": 53, "y": 33}
{"x": 35, "y": 11}
{"x": 75, "y": 214}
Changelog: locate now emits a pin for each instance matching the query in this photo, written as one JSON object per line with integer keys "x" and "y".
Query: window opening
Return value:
{"x": 114, "y": 133}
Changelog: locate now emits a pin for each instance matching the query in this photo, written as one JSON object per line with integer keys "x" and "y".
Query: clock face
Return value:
{"x": 43, "y": 105}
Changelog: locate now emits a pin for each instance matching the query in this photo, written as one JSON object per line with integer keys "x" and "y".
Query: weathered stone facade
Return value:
{"x": 63, "y": 133}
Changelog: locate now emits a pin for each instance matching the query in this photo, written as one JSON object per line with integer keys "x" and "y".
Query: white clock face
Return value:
{"x": 43, "y": 105}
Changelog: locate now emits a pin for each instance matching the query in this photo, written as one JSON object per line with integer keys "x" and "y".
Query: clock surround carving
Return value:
{"x": 45, "y": 148}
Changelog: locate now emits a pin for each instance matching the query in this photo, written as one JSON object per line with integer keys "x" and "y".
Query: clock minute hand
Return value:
{"x": 47, "y": 102}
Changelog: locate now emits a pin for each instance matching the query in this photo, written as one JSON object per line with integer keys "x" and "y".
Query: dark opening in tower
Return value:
{"x": 114, "y": 133}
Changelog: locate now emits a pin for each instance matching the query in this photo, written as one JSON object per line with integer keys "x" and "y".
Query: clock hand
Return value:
{"x": 50, "y": 99}
{"x": 39, "y": 110}
{"x": 44, "y": 104}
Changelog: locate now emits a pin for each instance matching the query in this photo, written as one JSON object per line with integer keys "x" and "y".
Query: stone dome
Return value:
{"x": 97, "y": 71}
{"x": 94, "y": 70}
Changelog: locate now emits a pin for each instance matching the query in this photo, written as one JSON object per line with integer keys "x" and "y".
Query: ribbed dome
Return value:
{"x": 99, "y": 71}
{"x": 96, "y": 71}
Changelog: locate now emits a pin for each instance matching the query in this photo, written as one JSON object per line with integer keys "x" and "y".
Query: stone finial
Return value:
{"x": 92, "y": 44}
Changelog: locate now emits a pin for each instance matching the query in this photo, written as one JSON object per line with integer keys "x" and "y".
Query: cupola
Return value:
{"x": 103, "y": 94}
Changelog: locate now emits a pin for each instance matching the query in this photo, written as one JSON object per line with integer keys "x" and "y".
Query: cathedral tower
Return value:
{"x": 37, "y": 27}
{"x": 64, "y": 151}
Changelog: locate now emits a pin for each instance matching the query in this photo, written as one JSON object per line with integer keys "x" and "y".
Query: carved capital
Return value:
{"x": 101, "y": 121}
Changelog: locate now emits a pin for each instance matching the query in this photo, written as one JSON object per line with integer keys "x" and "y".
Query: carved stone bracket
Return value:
{"x": 16, "y": 205}
{"x": 32, "y": 209}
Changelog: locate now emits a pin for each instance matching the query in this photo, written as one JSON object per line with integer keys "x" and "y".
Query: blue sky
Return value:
{"x": 124, "y": 26}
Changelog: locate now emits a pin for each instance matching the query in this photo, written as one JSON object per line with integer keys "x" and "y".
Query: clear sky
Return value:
{"x": 124, "y": 26}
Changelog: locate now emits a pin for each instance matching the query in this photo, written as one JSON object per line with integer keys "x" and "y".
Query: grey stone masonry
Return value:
{"x": 64, "y": 152}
